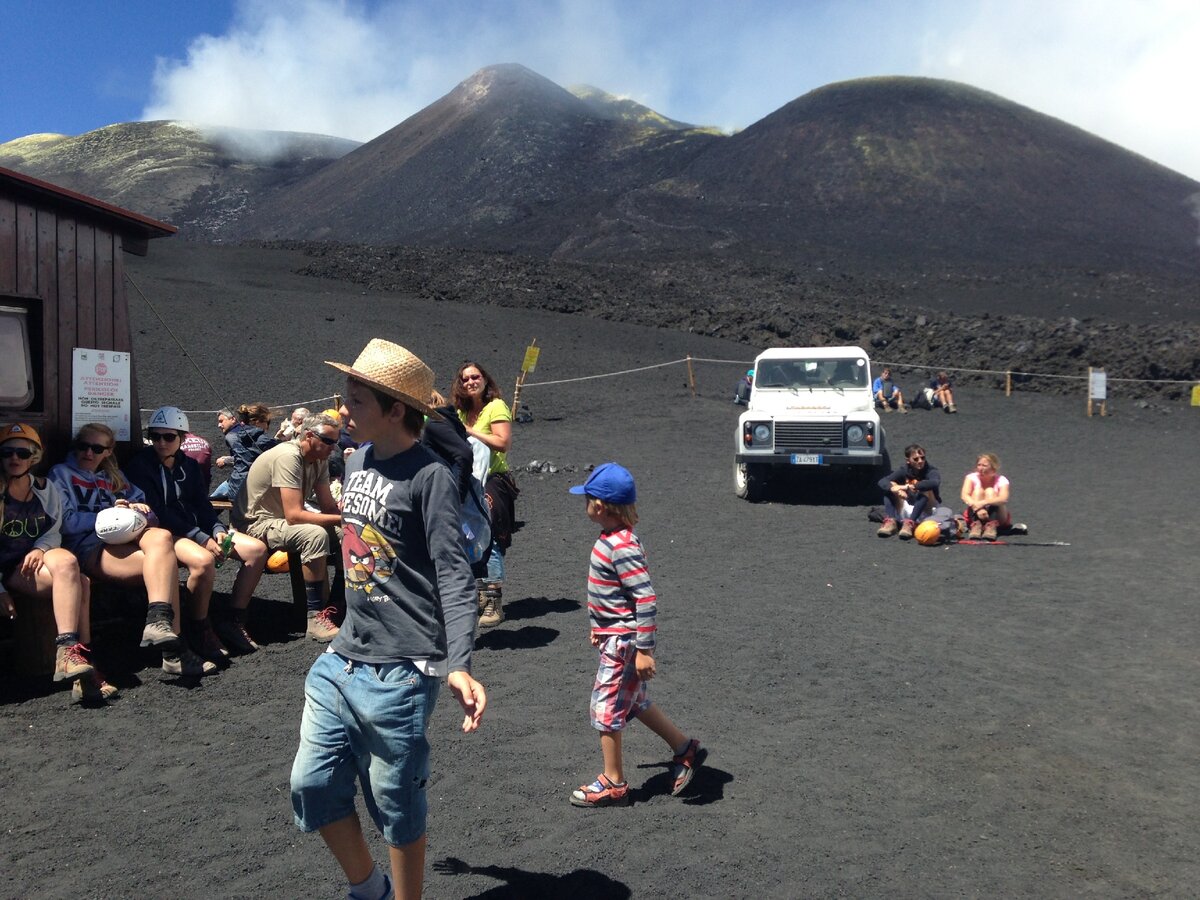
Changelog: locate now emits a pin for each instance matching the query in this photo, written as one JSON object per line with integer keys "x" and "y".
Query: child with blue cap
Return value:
{"x": 621, "y": 609}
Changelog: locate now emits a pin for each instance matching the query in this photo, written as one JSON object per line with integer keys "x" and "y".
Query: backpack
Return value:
{"x": 924, "y": 399}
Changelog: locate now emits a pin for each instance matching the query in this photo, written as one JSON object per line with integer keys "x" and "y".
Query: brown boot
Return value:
{"x": 481, "y": 598}
{"x": 906, "y": 530}
{"x": 888, "y": 528}
{"x": 493, "y": 607}
{"x": 976, "y": 531}
{"x": 69, "y": 662}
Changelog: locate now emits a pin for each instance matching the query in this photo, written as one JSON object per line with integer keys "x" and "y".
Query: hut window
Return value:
{"x": 16, "y": 366}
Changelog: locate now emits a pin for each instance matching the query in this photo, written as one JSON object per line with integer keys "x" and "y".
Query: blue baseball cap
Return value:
{"x": 609, "y": 482}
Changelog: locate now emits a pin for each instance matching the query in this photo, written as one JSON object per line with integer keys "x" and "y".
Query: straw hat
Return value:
{"x": 395, "y": 371}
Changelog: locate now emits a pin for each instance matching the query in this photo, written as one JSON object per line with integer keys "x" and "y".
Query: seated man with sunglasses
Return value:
{"x": 177, "y": 492}
{"x": 270, "y": 507}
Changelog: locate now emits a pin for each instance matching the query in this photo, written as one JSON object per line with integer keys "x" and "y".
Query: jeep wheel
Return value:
{"x": 750, "y": 481}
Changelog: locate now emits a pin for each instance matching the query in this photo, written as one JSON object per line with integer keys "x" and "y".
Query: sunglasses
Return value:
{"x": 83, "y": 446}
{"x": 327, "y": 441}
{"x": 163, "y": 437}
{"x": 467, "y": 378}
{"x": 18, "y": 452}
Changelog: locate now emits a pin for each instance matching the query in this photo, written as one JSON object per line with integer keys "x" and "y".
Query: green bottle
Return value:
{"x": 226, "y": 544}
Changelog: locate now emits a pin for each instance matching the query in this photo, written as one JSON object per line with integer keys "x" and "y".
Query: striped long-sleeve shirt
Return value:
{"x": 621, "y": 598}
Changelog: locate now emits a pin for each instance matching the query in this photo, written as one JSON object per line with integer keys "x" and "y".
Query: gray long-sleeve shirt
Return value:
{"x": 409, "y": 589}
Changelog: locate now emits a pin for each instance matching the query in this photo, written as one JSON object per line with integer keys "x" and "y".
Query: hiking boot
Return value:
{"x": 601, "y": 792}
{"x": 93, "y": 688}
{"x": 185, "y": 662}
{"x": 888, "y": 528}
{"x": 69, "y": 662}
{"x": 158, "y": 634}
{"x": 233, "y": 634}
{"x": 951, "y": 408}
{"x": 906, "y": 530}
{"x": 991, "y": 530}
{"x": 976, "y": 531}
{"x": 321, "y": 625}
{"x": 481, "y": 598}
{"x": 905, "y": 409}
{"x": 205, "y": 643}
{"x": 493, "y": 607}
{"x": 886, "y": 408}
{"x": 685, "y": 764}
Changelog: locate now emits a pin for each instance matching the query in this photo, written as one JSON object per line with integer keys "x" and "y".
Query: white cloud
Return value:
{"x": 1126, "y": 71}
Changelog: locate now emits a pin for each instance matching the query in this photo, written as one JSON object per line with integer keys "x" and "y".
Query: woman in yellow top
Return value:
{"x": 487, "y": 418}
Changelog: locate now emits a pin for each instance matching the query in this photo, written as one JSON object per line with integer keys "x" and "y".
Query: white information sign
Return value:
{"x": 1098, "y": 386}
{"x": 100, "y": 390}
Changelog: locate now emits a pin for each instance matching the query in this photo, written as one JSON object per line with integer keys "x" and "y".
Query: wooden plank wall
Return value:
{"x": 74, "y": 268}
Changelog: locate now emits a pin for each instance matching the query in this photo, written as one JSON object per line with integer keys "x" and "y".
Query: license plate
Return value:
{"x": 806, "y": 459}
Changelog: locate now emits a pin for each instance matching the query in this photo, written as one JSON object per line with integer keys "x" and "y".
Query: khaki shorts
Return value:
{"x": 310, "y": 541}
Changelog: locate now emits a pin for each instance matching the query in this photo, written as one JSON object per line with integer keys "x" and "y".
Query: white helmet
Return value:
{"x": 170, "y": 417}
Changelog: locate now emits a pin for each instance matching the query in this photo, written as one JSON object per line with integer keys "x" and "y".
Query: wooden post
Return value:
{"x": 1008, "y": 383}
{"x": 1089, "y": 392}
{"x": 691, "y": 375}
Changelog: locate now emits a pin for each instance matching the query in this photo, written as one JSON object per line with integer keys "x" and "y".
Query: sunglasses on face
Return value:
{"x": 469, "y": 378}
{"x": 18, "y": 452}
{"x": 327, "y": 441}
{"x": 84, "y": 446}
{"x": 162, "y": 437}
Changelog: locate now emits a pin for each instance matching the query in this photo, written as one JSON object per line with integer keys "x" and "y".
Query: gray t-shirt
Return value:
{"x": 409, "y": 589}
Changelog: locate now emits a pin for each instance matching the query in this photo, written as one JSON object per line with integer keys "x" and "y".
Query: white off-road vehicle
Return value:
{"x": 810, "y": 408}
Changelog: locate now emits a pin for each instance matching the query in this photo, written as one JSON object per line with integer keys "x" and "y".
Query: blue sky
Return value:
{"x": 1126, "y": 70}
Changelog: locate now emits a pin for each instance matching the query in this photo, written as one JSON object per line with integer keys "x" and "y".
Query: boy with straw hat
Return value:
{"x": 410, "y": 621}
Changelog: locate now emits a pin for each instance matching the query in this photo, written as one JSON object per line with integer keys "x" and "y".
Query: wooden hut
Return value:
{"x": 62, "y": 286}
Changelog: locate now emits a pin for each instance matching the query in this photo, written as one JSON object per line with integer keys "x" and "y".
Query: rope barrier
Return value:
{"x": 319, "y": 402}
{"x": 878, "y": 363}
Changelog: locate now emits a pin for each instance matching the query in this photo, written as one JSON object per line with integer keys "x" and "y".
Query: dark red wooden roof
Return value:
{"x": 123, "y": 220}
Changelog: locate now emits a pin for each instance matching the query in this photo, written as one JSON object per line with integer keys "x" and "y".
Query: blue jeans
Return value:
{"x": 223, "y": 492}
{"x": 364, "y": 721}
{"x": 495, "y": 564}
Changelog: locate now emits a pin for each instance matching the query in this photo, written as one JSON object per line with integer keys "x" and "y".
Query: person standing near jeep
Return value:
{"x": 909, "y": 494}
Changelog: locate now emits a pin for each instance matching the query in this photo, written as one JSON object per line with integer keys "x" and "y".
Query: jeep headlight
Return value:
{"x": 762, "y": 433}
{"x": 756, "y": 435}
{"x": 854, "y": 434}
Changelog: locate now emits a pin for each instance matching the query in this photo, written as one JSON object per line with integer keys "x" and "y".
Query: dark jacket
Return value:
{"x": 448, "y": 439}
{"x": 246, "y": 444}
{"x": 178, "y": 496}
{"x": 918, "y": 481}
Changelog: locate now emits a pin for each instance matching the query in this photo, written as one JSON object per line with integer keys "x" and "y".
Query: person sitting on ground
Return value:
{"x": 33, "y": 562}
{"x": 888, "y": 395}
{"x": 292, "y": 424}
{"x": 910, "y": 493}
{"x": 270, "y": 507}
{"x": 943, "y": 392}
{"x": 741, "y": 395}
{"x": 247, "y": 438}
{"x": 482, "y": 409}
{"x": 173, "y": 488}
{"x": 89, "y": 482}
{"x": 985, "y": 494}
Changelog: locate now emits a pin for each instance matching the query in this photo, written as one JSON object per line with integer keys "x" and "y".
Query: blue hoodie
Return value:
{"x": 84, "y": 494}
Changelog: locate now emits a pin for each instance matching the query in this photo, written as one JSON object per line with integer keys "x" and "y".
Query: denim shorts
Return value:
{"x": 364, "y": 721}
{"x": 618, "y": 695}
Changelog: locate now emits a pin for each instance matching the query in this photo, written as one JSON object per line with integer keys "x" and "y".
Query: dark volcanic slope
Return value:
{"x": 884, "y": 168}
{"x": 196, "y": 177}
{"x": 506, "y": 160}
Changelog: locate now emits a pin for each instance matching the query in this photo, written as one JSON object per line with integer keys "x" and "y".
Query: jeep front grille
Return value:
{"x": 797, "y": 436}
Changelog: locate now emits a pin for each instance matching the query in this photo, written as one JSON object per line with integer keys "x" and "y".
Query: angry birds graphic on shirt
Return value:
{"x": 367, "y": 557}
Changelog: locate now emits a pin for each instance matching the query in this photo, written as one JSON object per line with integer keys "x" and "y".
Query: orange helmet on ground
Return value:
{"x": 928, "y": 533}
{"x": 20, "y": 430}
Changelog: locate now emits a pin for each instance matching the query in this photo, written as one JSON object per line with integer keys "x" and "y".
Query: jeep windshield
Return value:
{"x": 811, "y": 374}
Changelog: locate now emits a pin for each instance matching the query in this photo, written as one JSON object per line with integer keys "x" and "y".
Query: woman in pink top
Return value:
{"x": 985, "y": 494}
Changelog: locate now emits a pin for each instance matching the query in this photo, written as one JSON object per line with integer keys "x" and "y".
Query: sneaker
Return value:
{"x": 158, "y": 634}
{"x": 69, "y": 662}
{"x": 904, "y": 409}
{"x": 185, "y": 662}
{"x": 906, "y": 530}
{"x": 321, "y": 626}
{"x": 233, "y": 634}
{"x": 207, "y": 645}
{"x": 990, "y": 531}
{"x": 92, "y": 688}
{"x": 601, "y": 792}
{"x": 976, "y": 531}
{"x": 684, "y": 766}
{"x": 951, "y": 408}
{"x": 888, "y": 528}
